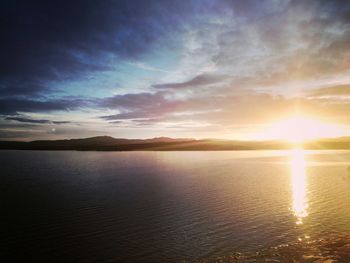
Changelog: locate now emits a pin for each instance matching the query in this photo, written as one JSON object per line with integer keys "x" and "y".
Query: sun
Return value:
{"x": 299, "y": 128}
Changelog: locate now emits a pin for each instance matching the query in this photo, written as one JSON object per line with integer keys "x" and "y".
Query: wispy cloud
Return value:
{"x": 147, "y": 67}
{"x": 27, "y": 120}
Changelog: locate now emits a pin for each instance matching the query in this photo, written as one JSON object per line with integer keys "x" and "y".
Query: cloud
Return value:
{"x": 223, "y": 111}
{"x": 332, "y": 91}
{"x": 302, "y": 40}
{"x": 147, "y": 67}
{"x": 159, "y": 107}
{"x": 136, "y": 106}
{"x": 214, "y": 64}
{"x": 12, "y": 106}
{"x": 43, "y": 42}
{"x": 257, "y": 39}
{"x": 20, "y": 119}
{"x": 200, "y": 80}
{"x": 27, "y": 120}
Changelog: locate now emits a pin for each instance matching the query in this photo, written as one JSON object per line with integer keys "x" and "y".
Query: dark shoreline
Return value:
{"x": 105, "y": 143}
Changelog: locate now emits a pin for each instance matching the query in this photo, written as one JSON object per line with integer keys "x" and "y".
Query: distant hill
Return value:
{"x": 330, "y": 143}
{"x": 106, "y": 143}
{"x": 102, "y": 143}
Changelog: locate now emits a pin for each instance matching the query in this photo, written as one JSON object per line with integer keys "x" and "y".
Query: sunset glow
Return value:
{"x": 299, "y": 128}
{"x": 170, "y": 131}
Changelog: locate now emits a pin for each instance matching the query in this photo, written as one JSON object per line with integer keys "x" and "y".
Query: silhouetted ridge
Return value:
{"x": 107, "y": 143}
{"x": 103, "y": 143}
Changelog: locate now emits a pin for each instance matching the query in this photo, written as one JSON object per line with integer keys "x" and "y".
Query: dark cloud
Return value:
{"x": 61, "y": 122}
{"x": 148, "y": 108}
{"x": 43, "y": 41}
{"x": 12, "y": 106}
{"x": 250, "y": 9}
{"x": 27, "y": 120}
{"x": 141, "y": 105}
{"x": 133, "y": 101}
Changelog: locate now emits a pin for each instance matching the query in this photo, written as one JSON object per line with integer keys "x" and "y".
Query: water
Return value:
{"x": 171, "y": 206}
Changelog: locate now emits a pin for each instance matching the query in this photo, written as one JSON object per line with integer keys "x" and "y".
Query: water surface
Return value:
{"x": 168, "y": 206}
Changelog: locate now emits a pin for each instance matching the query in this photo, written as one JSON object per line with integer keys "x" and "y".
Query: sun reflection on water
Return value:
{"x": 299, "y": 184}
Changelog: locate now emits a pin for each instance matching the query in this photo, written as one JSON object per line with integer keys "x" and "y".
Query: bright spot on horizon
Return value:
{"x": 299, "y": 128}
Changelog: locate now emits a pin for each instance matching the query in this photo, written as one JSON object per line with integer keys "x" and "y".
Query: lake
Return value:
{"x": 73, "y": 206}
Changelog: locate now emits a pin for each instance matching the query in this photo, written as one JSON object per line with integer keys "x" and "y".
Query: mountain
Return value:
{"x": 106, "y": 143}
{"x": 103, "y": 143}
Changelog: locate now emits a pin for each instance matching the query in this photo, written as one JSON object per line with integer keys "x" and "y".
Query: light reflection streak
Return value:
{"x": 299, "y": 184}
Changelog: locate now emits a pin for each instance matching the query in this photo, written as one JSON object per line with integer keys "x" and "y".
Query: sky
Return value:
{"x": 194, "y": 68}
